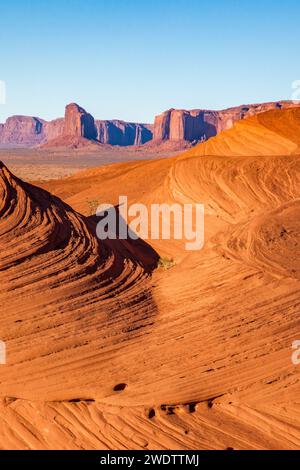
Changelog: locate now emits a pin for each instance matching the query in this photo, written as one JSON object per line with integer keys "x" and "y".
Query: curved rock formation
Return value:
{"x": 64, "y": 296}
{"x": 138, "y": 362}
{"x": 219, "y": 349}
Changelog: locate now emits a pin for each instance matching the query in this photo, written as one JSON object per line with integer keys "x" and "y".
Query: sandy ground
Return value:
{"x": 36, "y": 164}
{"x": 106, "y": 350}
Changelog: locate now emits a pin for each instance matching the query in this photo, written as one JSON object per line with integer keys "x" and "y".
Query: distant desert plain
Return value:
{"x": 142, "y": 344}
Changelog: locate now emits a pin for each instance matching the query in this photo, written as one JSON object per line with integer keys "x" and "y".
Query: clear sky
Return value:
{"x": 132, "y": 59}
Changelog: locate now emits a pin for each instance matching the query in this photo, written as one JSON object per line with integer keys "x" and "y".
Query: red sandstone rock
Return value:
{"x": 53, "y": 129}
{"x": 79, "y": 123}
{"x": 198, "y": 124}
{"x": 28, "y": 131}
{"x": 176, "y": 126}
{"x": 122, "y": 133}
{"x": 22, "y": 130}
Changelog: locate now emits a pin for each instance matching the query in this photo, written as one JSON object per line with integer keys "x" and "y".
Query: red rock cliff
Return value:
{"x": 79, "y": 123}
{"x": 198, "y": 124}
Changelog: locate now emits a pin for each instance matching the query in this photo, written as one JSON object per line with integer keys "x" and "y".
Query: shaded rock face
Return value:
{"x": 198, "y": 124}
{"x": 79, "y": 123}
{"x": 123, "y": 133}
{"x": 180, "y": 125}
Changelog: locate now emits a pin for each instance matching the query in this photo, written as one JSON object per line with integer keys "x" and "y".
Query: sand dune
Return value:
{"x": 108, "y": 352}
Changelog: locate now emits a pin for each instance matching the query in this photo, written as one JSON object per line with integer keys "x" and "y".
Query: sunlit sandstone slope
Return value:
{"x": 104, "y": 351}
{"x": 271, "y": 133}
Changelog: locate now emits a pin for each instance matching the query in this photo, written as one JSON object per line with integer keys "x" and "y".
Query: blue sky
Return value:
{"x": 132, "y": 59}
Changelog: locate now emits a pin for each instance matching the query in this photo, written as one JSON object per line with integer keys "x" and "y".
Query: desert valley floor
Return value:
{"x": 106, "y": 350}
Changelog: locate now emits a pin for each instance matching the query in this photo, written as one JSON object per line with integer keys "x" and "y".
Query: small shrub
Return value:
{"x": 93, "y": 206}
{"x": 165, "y": 263}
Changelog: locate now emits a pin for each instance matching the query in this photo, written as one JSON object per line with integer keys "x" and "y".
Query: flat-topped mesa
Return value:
{"x": 80, "y": 128}
{"x": 79, "y": 123}
{"x": 22, "y": 130}
{"x": 28, "y": 131}
{"x": 199, "y": 124}
{"x": 117, "y": 132}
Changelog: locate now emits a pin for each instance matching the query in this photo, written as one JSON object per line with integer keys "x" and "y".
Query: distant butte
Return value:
{"x": 79, "y": 128}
